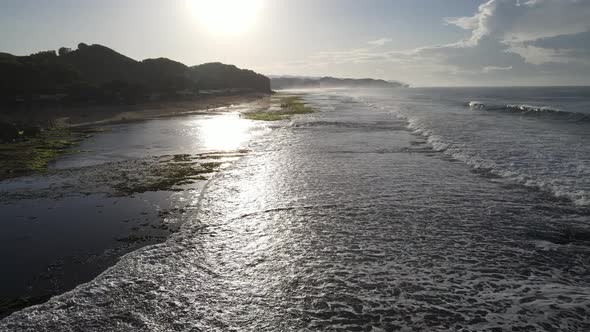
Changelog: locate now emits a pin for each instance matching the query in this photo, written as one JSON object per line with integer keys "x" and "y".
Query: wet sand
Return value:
{"x": 63, "y": 129}
{"x": 88, "y": 115}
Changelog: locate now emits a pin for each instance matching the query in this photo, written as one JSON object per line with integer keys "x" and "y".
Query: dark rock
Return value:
{"x": 8, "y": 132}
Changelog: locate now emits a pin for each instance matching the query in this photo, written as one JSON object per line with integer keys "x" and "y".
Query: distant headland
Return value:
{"x": 299, "y": 82}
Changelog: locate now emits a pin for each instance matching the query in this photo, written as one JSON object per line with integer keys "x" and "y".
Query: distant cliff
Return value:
{"x": 284, "y": 82}
{"x": 98, "y": 73}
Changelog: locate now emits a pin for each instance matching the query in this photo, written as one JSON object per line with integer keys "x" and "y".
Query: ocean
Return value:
{"x": 424, "y": 209}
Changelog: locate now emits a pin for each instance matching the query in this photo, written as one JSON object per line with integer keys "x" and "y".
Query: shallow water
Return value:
{"x": 354, "y": 218}
{"x": 52, "y": 245}
{"x": 189, "y": 134}
{"x": 66, "y": 227}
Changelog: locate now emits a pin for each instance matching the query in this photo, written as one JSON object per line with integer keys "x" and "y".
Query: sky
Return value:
{"x": 420, "y": 42}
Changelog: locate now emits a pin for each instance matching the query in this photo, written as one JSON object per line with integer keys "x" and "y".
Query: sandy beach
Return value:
{"x": 88, "y": 115}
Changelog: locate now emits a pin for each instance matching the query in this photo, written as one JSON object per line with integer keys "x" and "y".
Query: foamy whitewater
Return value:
{"x": 412, "y": 210}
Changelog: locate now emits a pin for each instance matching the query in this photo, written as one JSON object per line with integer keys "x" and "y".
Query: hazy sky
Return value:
{"x": 421, "y": 42}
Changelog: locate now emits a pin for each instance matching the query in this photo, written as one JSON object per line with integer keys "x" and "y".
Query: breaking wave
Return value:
{"x": 490, "y": 167}
{"x": 533, "y": 110}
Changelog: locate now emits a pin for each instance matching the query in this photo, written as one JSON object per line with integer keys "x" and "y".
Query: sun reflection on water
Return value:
{"x": 226, "y": 132}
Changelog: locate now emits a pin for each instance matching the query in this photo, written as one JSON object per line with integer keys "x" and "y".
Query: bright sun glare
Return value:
{"x": 225, "y": 132}
{"x": 227, "y": 16}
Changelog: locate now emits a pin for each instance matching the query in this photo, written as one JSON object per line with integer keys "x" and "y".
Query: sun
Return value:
{"x": 226, "y": 16}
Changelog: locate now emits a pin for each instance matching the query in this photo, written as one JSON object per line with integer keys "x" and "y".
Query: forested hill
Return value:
{"x": 96, "y": 72}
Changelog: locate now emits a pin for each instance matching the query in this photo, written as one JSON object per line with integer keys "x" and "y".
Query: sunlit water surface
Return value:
{"x": 188, "y": 134}
{"x": 355, "y": 219}
{"x": 64, "y": 228}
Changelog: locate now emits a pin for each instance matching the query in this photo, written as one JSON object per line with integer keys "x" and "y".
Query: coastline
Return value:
{"x": 249, "y": 229}
{"x": 144, "y": 210}
{"x": 148, "y": 199}
{"x": 58, "y": 131}
{"x": 91, "y": 115}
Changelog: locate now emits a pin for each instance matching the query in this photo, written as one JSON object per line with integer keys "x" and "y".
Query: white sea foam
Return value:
{"x": 441, "y": 141}
{"x": 302, "y": 235}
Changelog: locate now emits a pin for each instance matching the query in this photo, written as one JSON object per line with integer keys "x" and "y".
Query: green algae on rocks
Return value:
{"x": 169, "y": 173}
{"x": 288, "y": 106}
{"x": 32, "y": 154}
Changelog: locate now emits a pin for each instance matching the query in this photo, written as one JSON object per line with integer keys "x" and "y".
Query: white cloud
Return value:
{"x": 512, "y": 20}
{"x": 516, "y": 38}
{"x": 549, "y": 18}
{"x": 491, "y": 69}
{"x": 519, "y": 24}
{"x": 466, "y": 23}
{"x": 379, "y": 42}
{"x": 481, "y": 24}
{"x": 539, "y": 55}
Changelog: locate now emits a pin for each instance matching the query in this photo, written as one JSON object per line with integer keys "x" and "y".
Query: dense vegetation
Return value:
{"x": 220, "y": 76}
{"x": 95, "y": 73}
{"x": 283, "y": 82}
